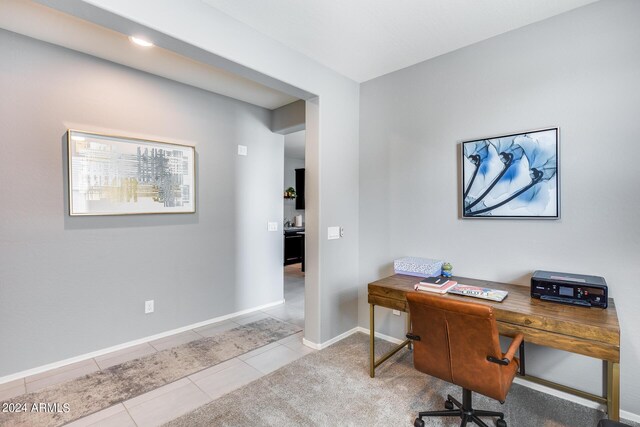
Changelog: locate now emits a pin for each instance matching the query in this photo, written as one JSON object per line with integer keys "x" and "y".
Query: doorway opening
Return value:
{"x": 292, "y": 310}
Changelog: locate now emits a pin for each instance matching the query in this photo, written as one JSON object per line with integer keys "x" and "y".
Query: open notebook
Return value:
{"x": 478, "y": 292}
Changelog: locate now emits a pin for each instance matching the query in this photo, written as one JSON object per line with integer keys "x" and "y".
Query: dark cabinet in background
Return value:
{"x": 293, "y": 247}
{"x": 300, "y": 188}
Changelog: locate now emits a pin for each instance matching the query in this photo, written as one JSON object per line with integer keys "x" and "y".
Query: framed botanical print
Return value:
{"x": 512, "y": 176}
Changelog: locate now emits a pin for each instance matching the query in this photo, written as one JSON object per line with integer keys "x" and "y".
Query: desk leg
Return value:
{"x": 410, "y": 346}
{"x": 372, "y": 338}
{"x": 372, "y": 348}
{"x": 613, "y": 390}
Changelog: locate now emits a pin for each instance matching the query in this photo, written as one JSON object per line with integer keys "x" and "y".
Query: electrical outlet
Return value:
{"x": 242, "y": 150}
{"x": 272, "y": 226}
{"x": 148, "y": 306}
{"x": 396, "y": 312}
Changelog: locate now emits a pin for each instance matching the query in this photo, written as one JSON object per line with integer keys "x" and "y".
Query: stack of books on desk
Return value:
{"x": 437, "y": 285}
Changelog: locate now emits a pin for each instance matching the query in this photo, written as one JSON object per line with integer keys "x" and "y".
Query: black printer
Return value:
{"x": 567, "y": 288}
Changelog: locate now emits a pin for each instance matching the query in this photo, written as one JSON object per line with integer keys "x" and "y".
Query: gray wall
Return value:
{"x": 290, "y": 166}
{"x": 331, "y": 116}
{"x": 74, "y": 285}
{"x": 580, "y": 71}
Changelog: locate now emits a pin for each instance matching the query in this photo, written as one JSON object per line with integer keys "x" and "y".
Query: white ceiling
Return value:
{"x": 364, "y": 39}
{"x": 43, "y": 23}
{"x": 294, "y": 145}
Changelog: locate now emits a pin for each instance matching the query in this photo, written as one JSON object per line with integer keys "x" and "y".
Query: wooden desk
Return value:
{"x": 591, "y": 332}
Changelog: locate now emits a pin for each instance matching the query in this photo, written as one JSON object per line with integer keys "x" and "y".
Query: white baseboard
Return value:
{"x": 333, "y": 340}
{"x": 342, "y": 336}
{"x": 311, "y": 344}
{"x": 572, "y": 398}
{"x": 381, "y": 336}
{"x": 80, "y": 358}
{"x": 630, "y": 416}
{"x": 561, "y": 394}
{"x": 535, "y": 386}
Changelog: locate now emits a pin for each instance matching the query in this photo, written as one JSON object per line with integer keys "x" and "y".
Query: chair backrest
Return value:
{"x": 455, "y": 339}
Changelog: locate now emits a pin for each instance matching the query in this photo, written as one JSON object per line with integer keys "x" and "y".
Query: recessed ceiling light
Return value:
{"x": 140, "y": 42}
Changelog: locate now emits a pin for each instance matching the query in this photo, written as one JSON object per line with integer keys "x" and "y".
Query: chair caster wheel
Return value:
{"x": 418, "y": 423}
{"x": 501, "y": 423}
{"x": 448, "y": 405}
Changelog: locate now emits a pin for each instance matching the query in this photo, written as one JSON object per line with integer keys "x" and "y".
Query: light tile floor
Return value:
{"x": 175, "y": 399}
{"x": 121, "y": 356}
{"x": 56, "y": 376}
{"x": 12, "y": 389}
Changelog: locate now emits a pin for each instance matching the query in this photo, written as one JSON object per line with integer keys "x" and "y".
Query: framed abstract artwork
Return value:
{"x": 512, "y": 176}
{"x": 111, "y": 175}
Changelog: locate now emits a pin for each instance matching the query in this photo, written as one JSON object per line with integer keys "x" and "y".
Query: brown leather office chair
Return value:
{"x": 457, "y": 341}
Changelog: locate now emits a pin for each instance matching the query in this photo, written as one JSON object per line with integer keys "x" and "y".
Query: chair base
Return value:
{"x": 464, "y": 410}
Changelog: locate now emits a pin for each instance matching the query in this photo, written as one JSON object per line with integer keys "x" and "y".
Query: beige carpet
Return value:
{"x": 332, "y": 388}
{"x": 118, "y": 383}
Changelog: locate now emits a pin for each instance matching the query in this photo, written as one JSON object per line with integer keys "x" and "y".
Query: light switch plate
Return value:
{"x": 148, "y": 307}
{"x": 272, "y": 226}
{"x": 242, "y": 150}
{"x": 333, "y": 233}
